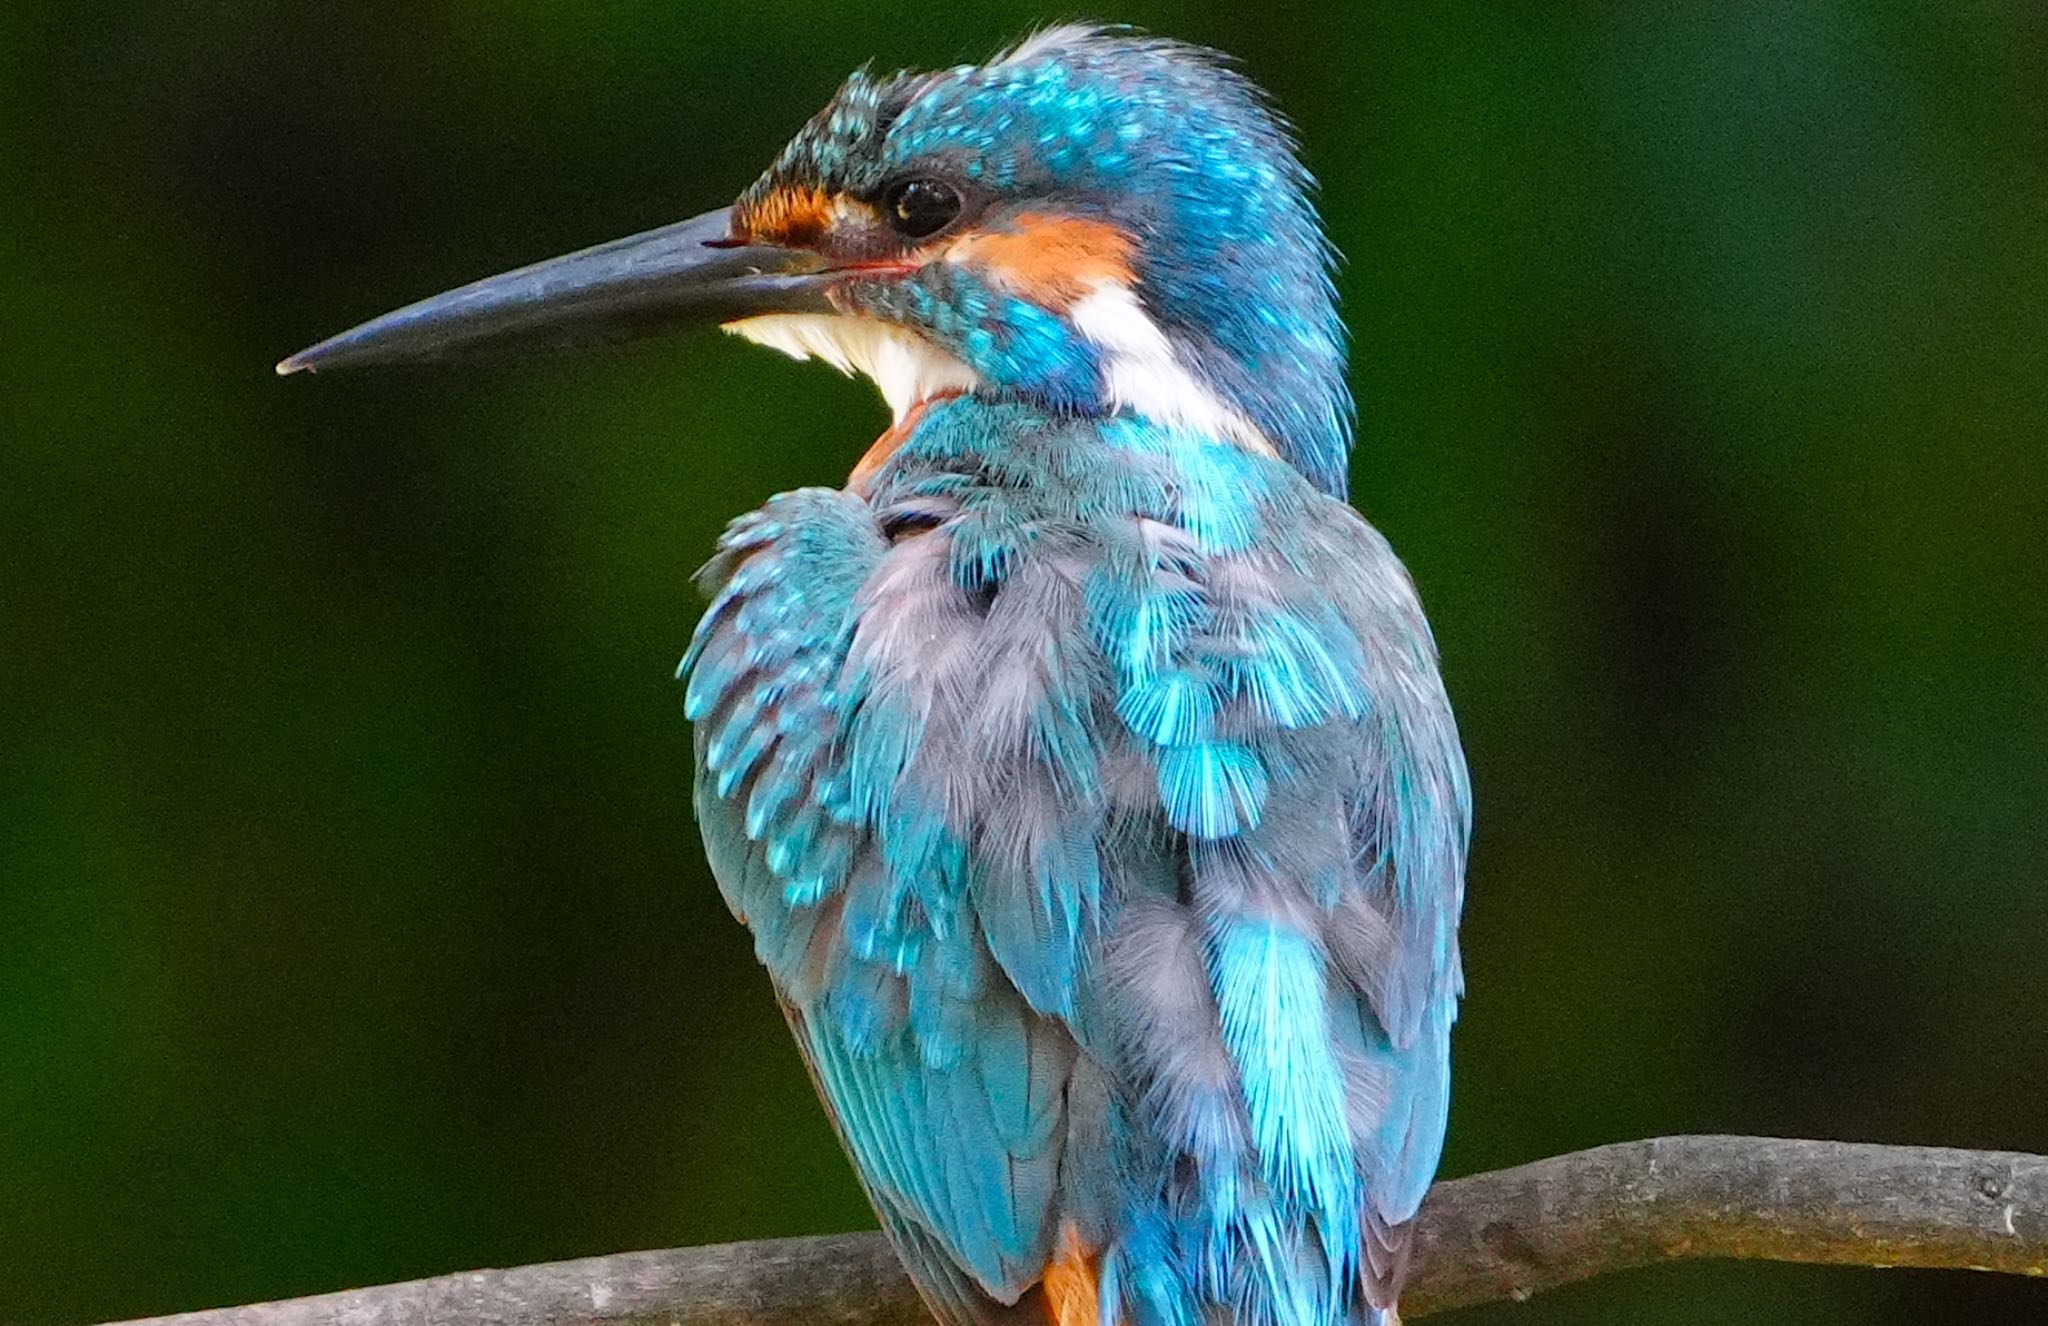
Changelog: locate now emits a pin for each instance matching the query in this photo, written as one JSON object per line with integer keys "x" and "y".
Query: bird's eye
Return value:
{"x": 918, "y": 208}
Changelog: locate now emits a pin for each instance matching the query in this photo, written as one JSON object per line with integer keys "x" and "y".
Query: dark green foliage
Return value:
{"x": 352, "y": 923}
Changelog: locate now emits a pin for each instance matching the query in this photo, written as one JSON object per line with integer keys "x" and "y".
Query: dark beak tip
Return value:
{"x": 691, "y": 271}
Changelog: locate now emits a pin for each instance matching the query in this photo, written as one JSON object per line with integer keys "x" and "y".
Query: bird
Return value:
{"x": 1082, "y": 766}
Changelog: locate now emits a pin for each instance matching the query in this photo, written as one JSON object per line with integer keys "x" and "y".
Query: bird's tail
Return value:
{"x": 1382, "y": 1317}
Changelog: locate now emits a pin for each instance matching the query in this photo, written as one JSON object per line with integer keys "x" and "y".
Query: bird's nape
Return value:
{"x": 1082, "y": 767}
{"x": 1099, "y": 224}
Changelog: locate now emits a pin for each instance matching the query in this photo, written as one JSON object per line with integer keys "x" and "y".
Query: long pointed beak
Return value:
{"x": 690, "y": 272}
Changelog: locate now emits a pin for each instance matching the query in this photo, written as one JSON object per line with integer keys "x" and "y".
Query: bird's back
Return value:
{"x": 1095, "y": 805}
{"x": 1082, "y": 769}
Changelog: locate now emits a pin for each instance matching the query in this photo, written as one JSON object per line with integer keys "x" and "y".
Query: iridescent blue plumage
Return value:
{"x": 1111, "y": 857}
{"x": 1082, "y": 769}
{"x": 1162, "y": 141}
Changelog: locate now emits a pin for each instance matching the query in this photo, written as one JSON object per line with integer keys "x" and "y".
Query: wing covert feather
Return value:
{"x": 1105, "y": 840}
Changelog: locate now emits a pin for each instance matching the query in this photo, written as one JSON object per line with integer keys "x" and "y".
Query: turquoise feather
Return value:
{"x": 1086, "y": 780}
{"x": 976, "y": 768}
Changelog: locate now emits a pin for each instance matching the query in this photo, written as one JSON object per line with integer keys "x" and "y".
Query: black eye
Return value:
{"x": 918, "y": 208}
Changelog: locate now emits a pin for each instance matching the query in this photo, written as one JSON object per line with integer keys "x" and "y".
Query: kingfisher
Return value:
{"x": 1082, "y": 767}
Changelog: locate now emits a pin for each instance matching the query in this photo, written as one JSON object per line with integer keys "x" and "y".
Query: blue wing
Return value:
{"x": 1097, "y": 811}
{"x": 822, "y": 798}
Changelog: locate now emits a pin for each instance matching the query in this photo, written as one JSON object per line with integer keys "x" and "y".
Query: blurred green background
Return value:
{"x": 352, "y": 923}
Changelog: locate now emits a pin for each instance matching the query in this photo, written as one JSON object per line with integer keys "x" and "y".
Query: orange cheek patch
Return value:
{"x": 788, "y": 216}
{"x": 1051, "y": 260}
{"x": 1073, "y": 1283}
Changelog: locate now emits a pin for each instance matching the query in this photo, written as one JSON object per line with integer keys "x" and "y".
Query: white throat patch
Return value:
{"x": 906, "y": 366}
{"x": 1142, "y": 374}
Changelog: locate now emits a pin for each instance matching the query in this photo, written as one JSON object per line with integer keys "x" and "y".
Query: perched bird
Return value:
{"x": 1081, "y": 767}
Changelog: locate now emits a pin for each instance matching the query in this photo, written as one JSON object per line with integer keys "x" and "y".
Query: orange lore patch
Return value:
{"x": 1073, "y": 1283}
{"x": 788, "y": 215}
{"x": 1050, "y": 260}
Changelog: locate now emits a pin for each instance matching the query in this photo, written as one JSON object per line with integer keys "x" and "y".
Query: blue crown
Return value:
{"x": 1156, "y": 138}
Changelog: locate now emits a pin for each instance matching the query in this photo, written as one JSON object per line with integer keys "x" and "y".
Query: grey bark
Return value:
{"x": 1503, "y": 1235}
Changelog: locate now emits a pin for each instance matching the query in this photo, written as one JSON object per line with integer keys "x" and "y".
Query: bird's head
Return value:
{"x": 1095, "y": 222}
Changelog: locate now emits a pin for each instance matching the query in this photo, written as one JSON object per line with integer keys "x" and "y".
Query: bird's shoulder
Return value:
{"x": 1026, "y": 634}
{"x": 981, "y": 742}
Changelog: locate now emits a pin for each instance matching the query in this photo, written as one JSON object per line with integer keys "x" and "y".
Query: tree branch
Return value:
{"x": 1516, "y": 1232}
{"x": 1507, "y": 1234}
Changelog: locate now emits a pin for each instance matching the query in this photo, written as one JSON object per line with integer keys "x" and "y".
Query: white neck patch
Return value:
{"x": 908, "y": 368}
{"x": 1142, "y": 374}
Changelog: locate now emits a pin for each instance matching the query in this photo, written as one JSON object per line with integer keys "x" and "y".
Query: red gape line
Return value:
{"x": 885, "y": 445}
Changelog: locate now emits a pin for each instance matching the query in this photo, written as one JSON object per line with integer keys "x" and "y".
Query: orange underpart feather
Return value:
{"x": 1073, "y": 1283}
{"x": 787, "y": 216}
{"x": 1051, "y": 260}
{"x": 885, "y": 446}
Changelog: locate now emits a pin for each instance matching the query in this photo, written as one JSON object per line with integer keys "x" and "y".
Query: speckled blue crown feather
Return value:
{"x": 1162, "y": 140}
